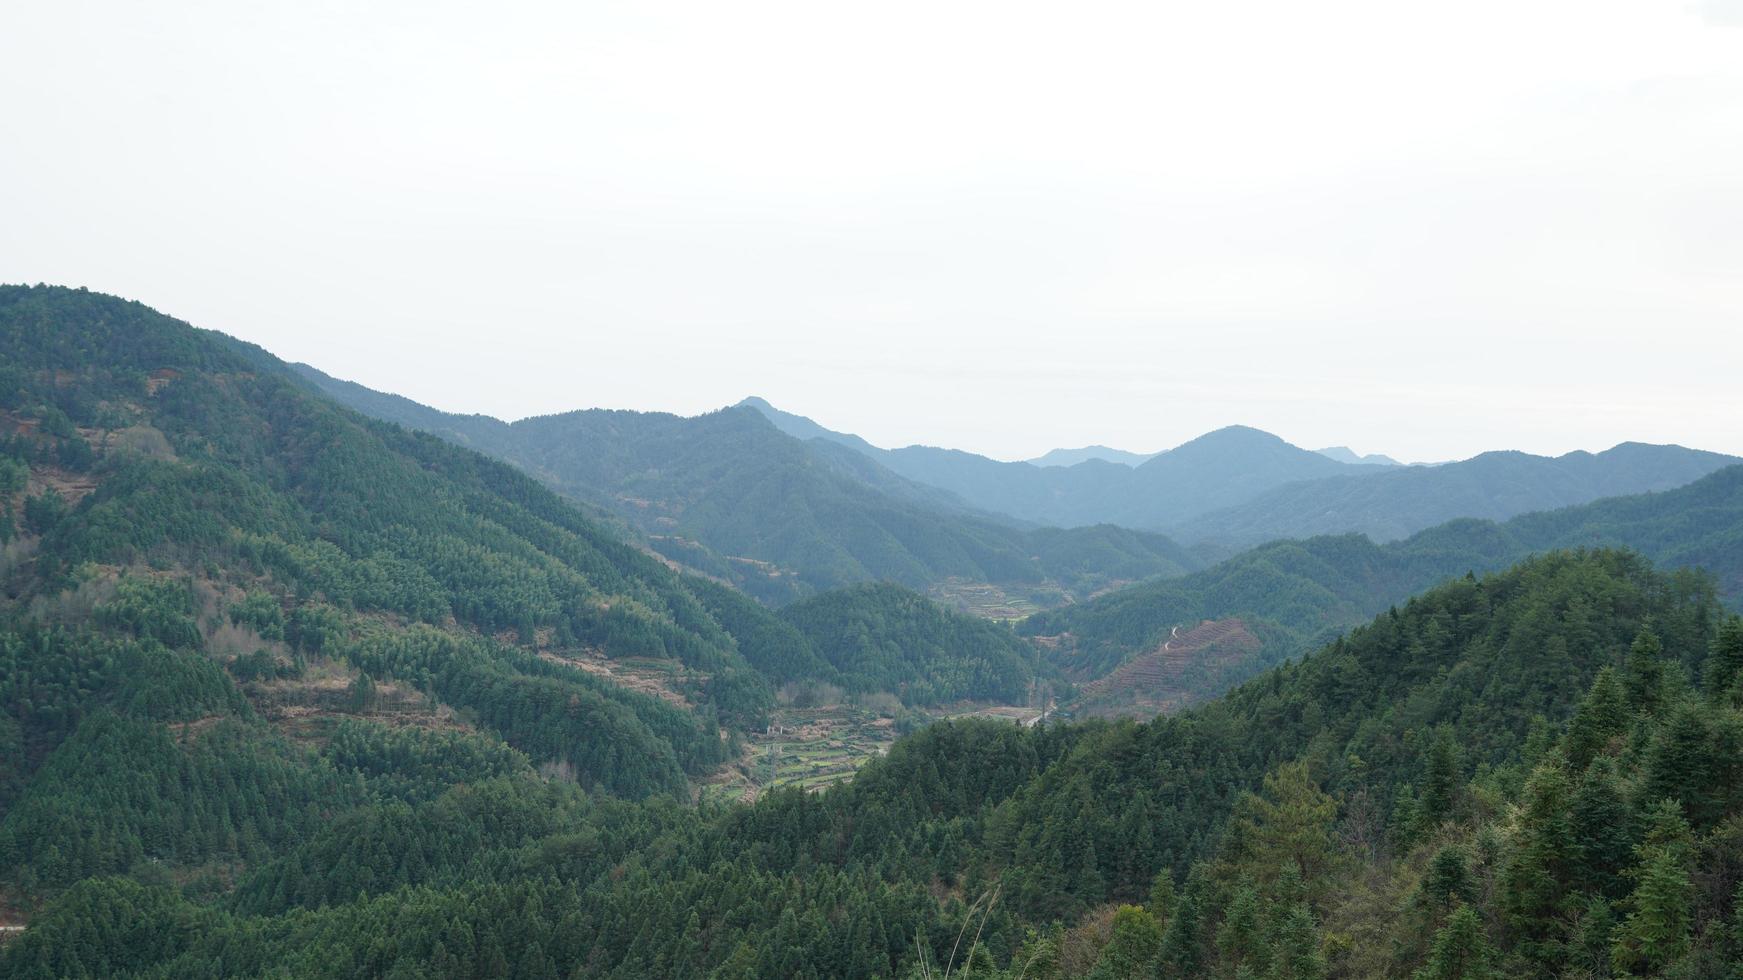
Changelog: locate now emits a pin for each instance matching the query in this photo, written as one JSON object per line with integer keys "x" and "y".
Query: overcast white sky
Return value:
{"x": 1420, "y": 229}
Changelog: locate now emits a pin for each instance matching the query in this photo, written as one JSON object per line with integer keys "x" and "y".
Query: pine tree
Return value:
{"x": 1294, "y": 942}
{"x": 1644, "y": 682}
{"x": 1285, "y": 827}
{"x": 1460, "y": 950}
{"x": 1601, "y": 716}
{"x": 1240, "y": 939}
{"x": 1181, "y": 957}
{"x": 1660, "y": 917}
{"x": 1440, "y": 783}
{"x": 1602, "y": 825}
{"x": 1535, "y": 879}
{"x": 1725, "y": 660}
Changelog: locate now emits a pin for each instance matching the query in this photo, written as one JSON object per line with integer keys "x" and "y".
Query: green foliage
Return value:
{"x": 886, "y": 638}
{"x": 715, "y": 490}
{"x": 1132, "y": 949}
{"x": 121, "y": 790}
{"x": 153, "y": 609}
{"x": 1724, "y": 664}
{"x": 1656, "y": 930}
{"x": 1460, "y": 950}
{"x": 1296, "y": 594}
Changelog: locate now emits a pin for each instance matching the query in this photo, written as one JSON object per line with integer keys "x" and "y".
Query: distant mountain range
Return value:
{"x": 1238, "y": 487}
{"x": 1398, "y": 502}
{"x": 1071, "y": 457}
{"x": 729, "y": 494}
{"x": 1345, "y": 454}
{"x": 1227, "y": 466}
{"x": 781, "y": 507}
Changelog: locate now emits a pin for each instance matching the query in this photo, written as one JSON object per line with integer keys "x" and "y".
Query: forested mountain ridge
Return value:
{"x": 176, "y": 474}
{"x": 1299, "y": 593}
{"x": 1229, "y": 465}
{"x": 1239, "y": 487}
{"x": 1492, "y": 486}
{"x": 1473, "y": 785}
{"x": 728, "y": 494}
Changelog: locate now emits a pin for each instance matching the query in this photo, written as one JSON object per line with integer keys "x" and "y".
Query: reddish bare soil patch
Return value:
{"x": 1155, "y": 682}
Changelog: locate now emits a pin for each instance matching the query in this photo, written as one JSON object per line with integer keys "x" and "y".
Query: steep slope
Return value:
{"x": 1309, "y": 589}
{"x": 1494, "y": 486}
{"x": 728, "y": 494}
{"x": 178, "y": 477}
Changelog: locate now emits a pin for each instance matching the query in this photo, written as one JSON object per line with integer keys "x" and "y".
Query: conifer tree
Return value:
{"x": 1460, "y": 950}
{"x": 1181, "y": 957}
{"x": 1656, "y": 931}
{"x": 1440, "y": 781}
{"x": 1601, "y": 716}
{"x": 1294, "y": 942}
{"x": 1644, "y": 682}
{"x": 1725, "y": 661}
{"x": 1448, "y": 880}
{"x": 1240, "y": 939}
{"x": 1680, "y": 764}
{"x": 1535, "y": 879}
{"x": 1602, "y": 825}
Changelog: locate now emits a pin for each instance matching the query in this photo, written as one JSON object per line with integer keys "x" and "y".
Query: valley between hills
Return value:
{"x": 304, "y": 679}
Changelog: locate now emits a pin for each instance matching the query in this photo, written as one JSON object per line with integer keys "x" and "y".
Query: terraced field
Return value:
{"x": 810, "y": 747}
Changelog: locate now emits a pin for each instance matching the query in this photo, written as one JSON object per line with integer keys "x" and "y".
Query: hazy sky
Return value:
{"x": 1421, "y": 229}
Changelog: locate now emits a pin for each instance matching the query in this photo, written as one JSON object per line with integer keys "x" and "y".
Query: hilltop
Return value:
{"x": 730, "y": 495}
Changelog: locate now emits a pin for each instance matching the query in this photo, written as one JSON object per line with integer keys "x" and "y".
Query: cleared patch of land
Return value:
{"x": 1163, "y": 679}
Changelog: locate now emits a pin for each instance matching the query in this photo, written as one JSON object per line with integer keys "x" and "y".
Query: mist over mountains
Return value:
{"x": 1239, "y": 486}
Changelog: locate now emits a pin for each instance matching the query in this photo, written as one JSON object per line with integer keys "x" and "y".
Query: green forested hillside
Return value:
{"x": 883, "y": 637}
{"x": 184, "y": 501}
{"x": 1534, "y": 774}
{"x": 730, "y": 495}
{"x": 1306, "y": 590}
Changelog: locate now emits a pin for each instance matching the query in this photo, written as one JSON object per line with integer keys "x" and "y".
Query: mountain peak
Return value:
{"x": 1345, "y": 454}
{"x": 1072, "y": 457}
